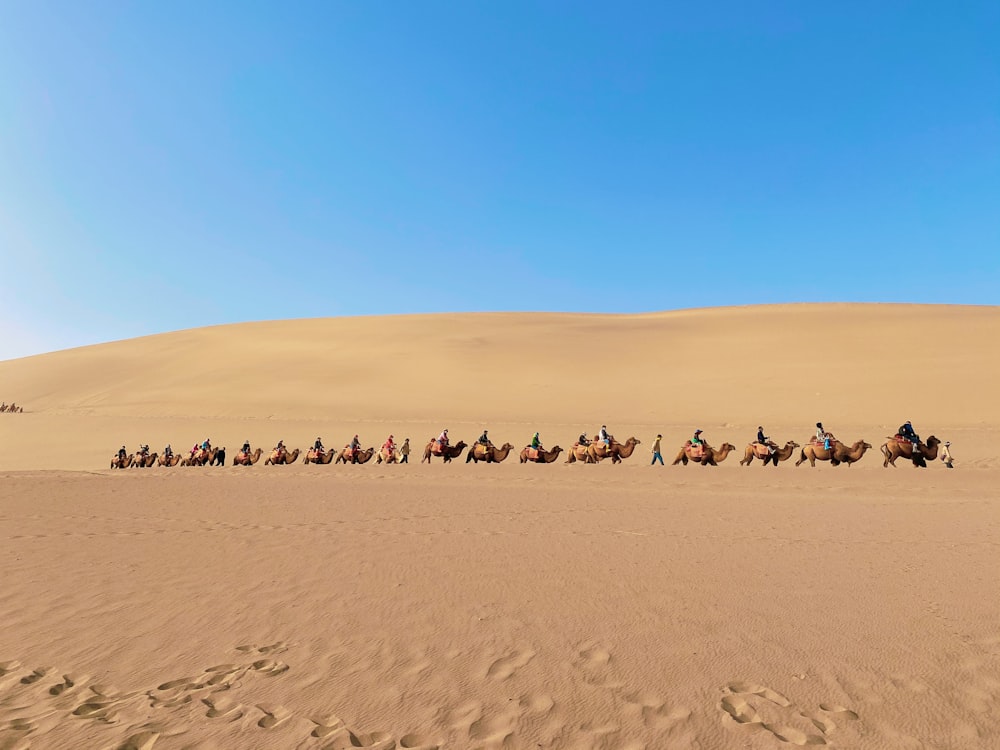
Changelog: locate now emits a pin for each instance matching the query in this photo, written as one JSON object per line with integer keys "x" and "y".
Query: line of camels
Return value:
{"x": 838, "y": 453}
{"x": 6, "y": 408}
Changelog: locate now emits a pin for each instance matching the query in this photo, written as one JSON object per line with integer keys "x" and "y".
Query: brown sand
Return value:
{"x": 506, "y": 606}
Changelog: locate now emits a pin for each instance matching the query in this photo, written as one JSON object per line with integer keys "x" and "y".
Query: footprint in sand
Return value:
{"x": 506, "y": 666}
{"x": 744, "y": 703}
{"x": 222, "y": 707}
{"x": 273, "y": 715}
{"x": 347, "y": 740}
{"x": 418, "y": 742}
{"x": 654, "y": 712}
{"x": 495, "y": 730}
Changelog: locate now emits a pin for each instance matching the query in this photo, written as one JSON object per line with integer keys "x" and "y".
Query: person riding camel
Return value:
{"x": 484, "y": 439}
{"x": 696, "y": 439}
{"x": 143, "y": 451}
{"x": 355, "y": 448}
{"x": 765, "y": 440}
{"x": 280, "y": 448}
{"x": 194, "y": 449}
{"x": 207, "y": 445}
{"x": 824, "y": 437}
{"x": 603, "y": 435}
{"x": 442, "y": 440}
{"x": 318, "y": 447}
{"x": 584, "y": 440}
{"x": 906, "y": 431}
{"x": 122, "y": 453}
{"x": 168, "y": 452}
{"x": 245, "y": 450}
{"x": 389, "y": 446}
{"x": 536, "y": 443}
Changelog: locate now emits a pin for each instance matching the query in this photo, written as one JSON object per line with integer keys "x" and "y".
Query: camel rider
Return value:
{"x": 906, "y": 431}
{"x": 318, "y": 447}
{"x": 207, "y": 445}
{"x": 168, "y": 452}
{"x": 246, "y": 448}
{"x": 280, "y": 448}
{"x": 603, "y": 435}
{"x": 143, "y": 450}
{"x": 194, "y": 449}
{"x": 122, "y": 453}
{"x": 764, "y": 439}
{"x": 354, "y": 448}
{"x": 696, "y": 440}
{"x": 484, "y": 439}
{"x": 389, "y": 446}
{"x": 536, "y": 443}
{"x": 584, "y": 440}
{"x": 443, "y": 439}
{"x": 822, "y": 436}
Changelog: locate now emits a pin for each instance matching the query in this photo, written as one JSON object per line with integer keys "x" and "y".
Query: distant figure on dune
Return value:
{"x": 946, "y": 455}
{"x": 656, "y": 451}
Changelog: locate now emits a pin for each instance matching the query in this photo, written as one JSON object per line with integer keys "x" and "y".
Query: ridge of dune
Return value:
{"x": 784, "y": 362}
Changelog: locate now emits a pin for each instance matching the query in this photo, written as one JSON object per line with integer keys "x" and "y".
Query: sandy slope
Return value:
{"x": 861, "y": 369}
{"x": 507, "y": 606}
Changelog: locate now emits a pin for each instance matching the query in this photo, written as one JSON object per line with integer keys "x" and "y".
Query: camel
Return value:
{"x": 758, "y": 450}
{"x": 218, "y": 457}
{"x": 288, "y": 457}
{"x": 325, "y": 457}
{"x": 121, "y": 463}
{"x": 838, "y": 453}
{"x": 247, "y": 459}
{"x": 895, "y": 448}
{"x": 171, "y": 460}
{"x": 385, "y": 457}
{"x": 542, "y": 456}
{"x": 709, "y": 456}
{"x": 362, "y": 457}
{"x": 144, "y": 463}
{"x": 203, "y": 457}
{"x": 616, "y": 451}
{"x": 579, "y": 453}
{"x": 488, "y": 453}
{"x": 452, "y": 451}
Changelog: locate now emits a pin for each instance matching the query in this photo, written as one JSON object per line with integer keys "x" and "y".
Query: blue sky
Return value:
{"x": 171, "y": 165}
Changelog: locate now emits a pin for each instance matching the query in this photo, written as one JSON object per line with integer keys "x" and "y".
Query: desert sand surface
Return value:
{"x": 506, "y": 605}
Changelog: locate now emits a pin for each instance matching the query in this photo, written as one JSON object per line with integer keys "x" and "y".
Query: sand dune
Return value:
{"x": 861, "y": 369}
{"x": 505, "y": 606}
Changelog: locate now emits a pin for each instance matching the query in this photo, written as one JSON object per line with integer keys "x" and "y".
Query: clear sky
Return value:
{"x": 177, "y": 164}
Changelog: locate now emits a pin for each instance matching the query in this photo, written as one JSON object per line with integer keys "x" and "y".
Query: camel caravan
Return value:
{"x": 823, "y": 446}
{"x": 6, "y": 408}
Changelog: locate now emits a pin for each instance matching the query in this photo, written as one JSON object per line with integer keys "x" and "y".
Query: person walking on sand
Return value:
{"x": 946, "y": 455}
{"x": 404, "y": 452}
{"x": 656, "y": 451}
